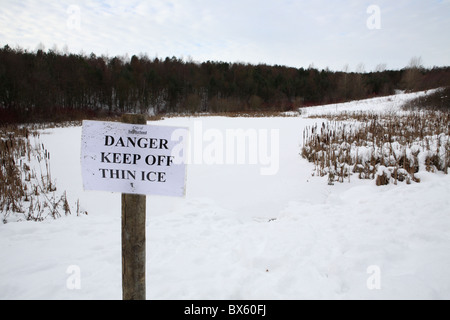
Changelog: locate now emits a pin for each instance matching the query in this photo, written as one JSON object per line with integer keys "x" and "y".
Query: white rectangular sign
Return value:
{"x": 133, "y": 159}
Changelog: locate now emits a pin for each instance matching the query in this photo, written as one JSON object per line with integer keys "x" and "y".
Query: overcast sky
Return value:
{"x": 297, "y": 33}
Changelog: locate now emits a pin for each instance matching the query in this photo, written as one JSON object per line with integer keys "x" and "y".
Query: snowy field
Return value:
{"x": 238, "y": 233}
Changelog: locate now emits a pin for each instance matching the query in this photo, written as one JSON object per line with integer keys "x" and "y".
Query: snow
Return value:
{"x": 239, "y": 234}
{"x": 380, "y": 104}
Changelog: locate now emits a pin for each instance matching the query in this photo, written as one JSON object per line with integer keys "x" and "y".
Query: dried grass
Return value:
{"x": 388, "y": 148}
{"x": 241, "y": 114}
{"x": 27, "y": 190}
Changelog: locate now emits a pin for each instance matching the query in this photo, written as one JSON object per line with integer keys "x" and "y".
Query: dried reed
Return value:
{"x": 389, "y": 147}
{"x": 27, "y": 190}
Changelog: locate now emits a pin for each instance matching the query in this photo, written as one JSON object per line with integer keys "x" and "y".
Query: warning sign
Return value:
{"x": 134, "y": 159}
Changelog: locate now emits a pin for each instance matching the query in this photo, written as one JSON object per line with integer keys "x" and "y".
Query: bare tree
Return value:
{"x": 415, "y": 63}
{"x": 358, "y": 91}
{"x": 412, "y": 75}
{"x": 381, "y": 67}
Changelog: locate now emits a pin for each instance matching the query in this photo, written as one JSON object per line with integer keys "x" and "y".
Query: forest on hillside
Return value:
{"x": 52, "y": 86}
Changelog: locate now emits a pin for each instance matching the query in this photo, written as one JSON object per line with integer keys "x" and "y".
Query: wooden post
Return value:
{"x": 133, "y": 236}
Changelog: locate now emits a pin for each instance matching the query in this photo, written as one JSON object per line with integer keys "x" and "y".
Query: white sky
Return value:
{"x": 295, "y": 33}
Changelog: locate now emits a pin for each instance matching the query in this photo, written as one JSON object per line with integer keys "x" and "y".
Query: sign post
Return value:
{"x": 136, "y": 160}
{"x": 133, "y": 237}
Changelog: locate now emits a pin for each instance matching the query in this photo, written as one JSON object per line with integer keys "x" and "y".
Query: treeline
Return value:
{"x": 51, "y": 86}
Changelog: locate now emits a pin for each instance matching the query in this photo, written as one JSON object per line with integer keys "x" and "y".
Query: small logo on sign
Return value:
{"x": 137, "y": 130}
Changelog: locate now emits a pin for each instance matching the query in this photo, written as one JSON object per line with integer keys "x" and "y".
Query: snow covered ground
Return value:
{"x": 239, "y": 234}
{"x": 381, "y": 104}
